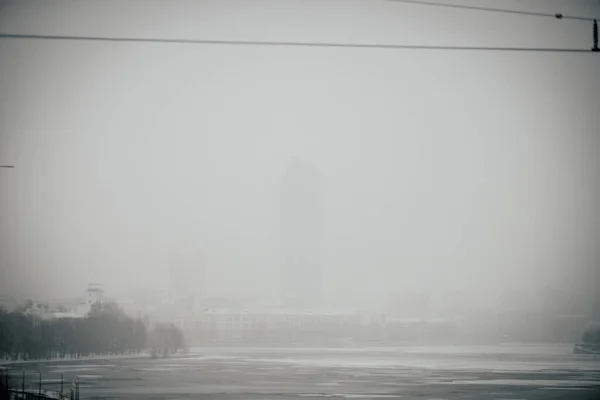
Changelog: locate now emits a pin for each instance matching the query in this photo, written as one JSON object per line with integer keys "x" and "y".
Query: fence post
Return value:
{"x": 40, "y": 386}
{"x": 23, "y": 384}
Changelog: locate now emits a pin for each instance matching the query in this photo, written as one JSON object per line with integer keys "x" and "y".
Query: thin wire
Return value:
{"x": 290, "y": 44}
{"x": 7, "y": 166}
{"x": 498, "y": 10}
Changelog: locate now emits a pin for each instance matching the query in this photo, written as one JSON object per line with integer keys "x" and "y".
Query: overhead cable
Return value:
{"x": 290, "y": 44}
{"x": 497, "y": 10}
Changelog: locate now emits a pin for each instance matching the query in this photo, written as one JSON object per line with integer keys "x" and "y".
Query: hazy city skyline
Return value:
{"x": 465, "y": 172}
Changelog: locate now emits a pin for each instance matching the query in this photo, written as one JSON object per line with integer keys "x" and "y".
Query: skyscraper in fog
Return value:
{"x": 186, "y": 275}
{"x": 300, "y": 224}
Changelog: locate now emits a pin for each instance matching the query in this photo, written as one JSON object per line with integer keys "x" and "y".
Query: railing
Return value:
{"x": 17, "y": 394}
{"x": 11, "y": 389}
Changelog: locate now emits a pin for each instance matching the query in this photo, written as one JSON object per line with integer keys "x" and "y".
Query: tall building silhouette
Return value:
{"x": 300, "y": 224}
{"x": 186, "y": 275}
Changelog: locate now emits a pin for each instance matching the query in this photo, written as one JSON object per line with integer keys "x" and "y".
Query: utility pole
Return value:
{"x": 595, "y": 33}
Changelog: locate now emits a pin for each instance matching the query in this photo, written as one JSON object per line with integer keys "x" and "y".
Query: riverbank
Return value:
{"x": 4, "y": 363}
{"x": 194, "y": 351}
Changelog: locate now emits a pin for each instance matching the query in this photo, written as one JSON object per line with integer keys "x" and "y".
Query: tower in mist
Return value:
{"x": 300, "y": 224}
{"x": 186, "y": 276}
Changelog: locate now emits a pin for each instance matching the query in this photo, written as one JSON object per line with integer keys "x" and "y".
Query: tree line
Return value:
{"x": 592, "y": 334}
{"x": 106, "y": 330}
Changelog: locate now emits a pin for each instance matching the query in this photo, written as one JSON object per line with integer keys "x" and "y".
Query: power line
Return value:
{"x": 497, "y": 10}
{"x": 291, "y": 44}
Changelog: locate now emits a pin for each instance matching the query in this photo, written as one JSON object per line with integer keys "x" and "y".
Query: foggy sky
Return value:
{"x": 468, "y": 172}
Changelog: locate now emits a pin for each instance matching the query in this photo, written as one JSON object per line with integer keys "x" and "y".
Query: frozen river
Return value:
{"x": 498, "y": 372}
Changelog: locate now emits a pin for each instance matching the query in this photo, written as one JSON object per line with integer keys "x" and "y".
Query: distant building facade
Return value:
{"x": 300, "y": 235}
{"x": 186, "y": 273}
{"x": 271, "y": 326}
{"x": 94, "y": 293}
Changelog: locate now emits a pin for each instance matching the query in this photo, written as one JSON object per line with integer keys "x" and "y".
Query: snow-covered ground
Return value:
{"x": 491, "y": 372}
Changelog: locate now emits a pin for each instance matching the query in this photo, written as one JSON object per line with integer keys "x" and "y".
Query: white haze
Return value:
{"x": 474, "y": 173}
